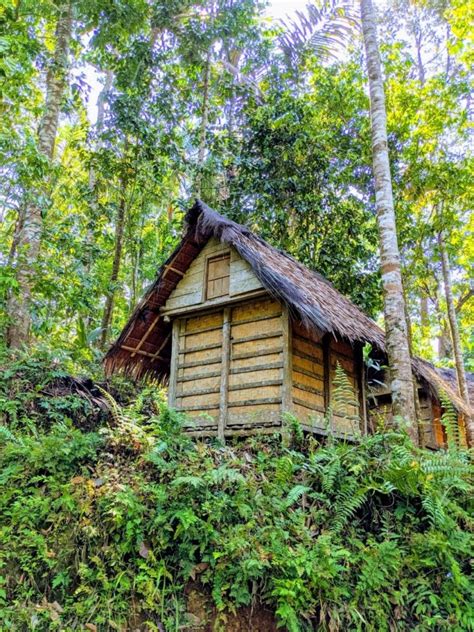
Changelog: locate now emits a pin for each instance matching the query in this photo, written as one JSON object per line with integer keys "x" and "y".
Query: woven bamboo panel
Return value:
{"x": 254, "y": 416}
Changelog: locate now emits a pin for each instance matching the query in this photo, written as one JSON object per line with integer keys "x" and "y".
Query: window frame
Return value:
{"x": 209, "y": 259}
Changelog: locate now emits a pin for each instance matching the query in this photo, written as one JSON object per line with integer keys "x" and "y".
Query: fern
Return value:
{"x": 350, "y": 500}
{"x": 449, "y": 421}
{"x": 6, "y": 435}
{"x": 115, "y": 410}
{"x": 224, "y": 474}
{"x": 128, "y": 431}
{"x": 344, "y": 398}
{"x": 434, "y": 508}
{"x": 296, "y": 493}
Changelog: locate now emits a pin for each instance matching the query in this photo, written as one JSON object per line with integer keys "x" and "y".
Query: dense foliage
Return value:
{"x": 163, "y": 101}
{"x": 108, "y": 524}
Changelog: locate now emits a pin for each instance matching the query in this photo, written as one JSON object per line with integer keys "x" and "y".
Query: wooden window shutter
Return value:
{"x": 218, "y": 272}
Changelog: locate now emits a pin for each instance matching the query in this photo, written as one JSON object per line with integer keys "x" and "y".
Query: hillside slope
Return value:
{"x": 118, "y": 521}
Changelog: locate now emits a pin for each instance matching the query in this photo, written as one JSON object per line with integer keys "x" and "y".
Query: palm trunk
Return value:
{"x": 31, "y": 221}
{"x": 401, "y": 379}
{"x": 110, "y": 296}
{"x": 453, "y": 325}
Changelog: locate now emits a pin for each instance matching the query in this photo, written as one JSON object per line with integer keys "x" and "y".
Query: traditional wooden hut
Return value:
{"x": 434, "y": 385}
{"x": 241, "y": 333}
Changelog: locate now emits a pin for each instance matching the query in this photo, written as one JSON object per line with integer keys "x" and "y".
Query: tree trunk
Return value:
{"x": 110, "y": 295}
{"x": 424, "y": 312}
{"x": 204, "y": 124}
{"x": 401, "y": 379}
{"x": 31, "y": 220}
{"x": 99, "y": 124}
{"x": 136, "y": 259}
{"x": 456, "y": 340}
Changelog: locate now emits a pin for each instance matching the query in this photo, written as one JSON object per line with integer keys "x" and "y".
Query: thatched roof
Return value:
{"x": 144, "y": 346}
{"x": 449, "y": 376}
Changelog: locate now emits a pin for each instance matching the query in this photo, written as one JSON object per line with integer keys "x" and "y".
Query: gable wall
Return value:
{"x": 190, "y": 290}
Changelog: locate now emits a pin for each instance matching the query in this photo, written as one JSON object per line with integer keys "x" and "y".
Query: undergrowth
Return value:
{"x": 104, "y": 527}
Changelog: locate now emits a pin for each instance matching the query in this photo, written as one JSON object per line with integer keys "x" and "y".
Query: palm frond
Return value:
{"x": 321, "y": 28}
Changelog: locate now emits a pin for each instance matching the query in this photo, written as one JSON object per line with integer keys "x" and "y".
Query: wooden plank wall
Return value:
{"x": 314, "y": 361}
{"x": 307, "y": 388}
{"x": 190, "y": 290}
{"x": 432, "y": 434}
{"x": 199, "y": 368}
{"x": 222, "y": 391}
{"x": 428, "y": 425}
{"x": 256, "y": 365}
{"x": 346, "y": 416}
{"x": 242, "y": 277}
{"x": 380, "y": 415}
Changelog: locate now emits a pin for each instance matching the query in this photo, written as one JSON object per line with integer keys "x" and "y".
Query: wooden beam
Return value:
{"x": 313, "y": 407}
{"x": 265, "y": 336}
{"x": 315, "y": 376}
{"x": 327, "y": 371}
{"x": 174, "y": 362}
{"x": 180, "y": 272}
{"x": 209, "y": 306}
{"x": 257, "y": 367}
{"x": 161, "y": 347}
{"x": 198, "y": 407}
{"x": 204, "y": 362}
{"x": 204, "y": 330}
{"x": 251, "y": 354}
{"x": 255, "y": 385}
{"x": 286, "y": 395}
{"x": 224, "y": 388}
{"x": 361, "y": 384}
{"x": 198, "y": 376}
{"x": 307, "y": 356}
{"x": 257, "y": 319}
{"x": 308, "y": 389}
{"x": 256, "y": 402}
{"x": 143, "y": 353}
{"x": 204, "y": 347}
{"x": 210, "y": 390}
{"x": 146, "y": 334}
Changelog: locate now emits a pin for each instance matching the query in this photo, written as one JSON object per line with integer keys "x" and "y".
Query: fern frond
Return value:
{"x": 344, "y": 398}
{"x": 349, "y": 502}
{"x": 115, "y": 410}
{"x": 449, "y": 420}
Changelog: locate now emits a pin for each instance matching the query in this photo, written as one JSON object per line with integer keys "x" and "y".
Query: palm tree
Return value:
{"x": 319, "y": 29}
{"x": 398, "y": 349}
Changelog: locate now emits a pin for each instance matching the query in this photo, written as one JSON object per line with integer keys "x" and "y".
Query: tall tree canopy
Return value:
{"x": 115, "y": 114}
